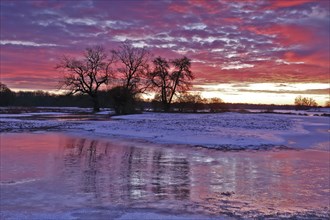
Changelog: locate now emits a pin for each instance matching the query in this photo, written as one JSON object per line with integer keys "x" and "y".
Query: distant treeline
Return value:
{"x": 186, "y": 103}
{"x": 45, "y": 99}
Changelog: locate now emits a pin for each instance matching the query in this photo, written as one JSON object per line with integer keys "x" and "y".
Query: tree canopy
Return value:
{"x": 86, "y": 75}
{"x": 170, "y": 77}
{"x": 132, "y": 66}
{"x": 304, "y": 103}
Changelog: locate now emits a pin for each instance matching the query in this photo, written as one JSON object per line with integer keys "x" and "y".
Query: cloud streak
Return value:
{"x": 26, "y": 43}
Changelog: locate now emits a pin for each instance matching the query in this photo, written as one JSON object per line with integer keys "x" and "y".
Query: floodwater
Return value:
{"x": 63, "y": 176}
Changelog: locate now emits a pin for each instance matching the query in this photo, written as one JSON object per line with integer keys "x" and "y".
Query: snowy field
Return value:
{"x": 223, "y": 131}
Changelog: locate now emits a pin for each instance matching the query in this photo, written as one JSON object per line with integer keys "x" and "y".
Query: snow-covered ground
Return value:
{"x": 310, "y": 112}
{"x": 212, "y": 130}
{"x": 224, "y": 131}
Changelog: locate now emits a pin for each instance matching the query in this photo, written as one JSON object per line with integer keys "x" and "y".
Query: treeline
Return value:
{"x": 46, "y": 99}
{"x": 107, "y": 99}
{"x": 185, "y": 102}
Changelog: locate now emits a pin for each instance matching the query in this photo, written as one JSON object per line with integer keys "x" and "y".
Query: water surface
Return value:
{"x": 47, "y": 175}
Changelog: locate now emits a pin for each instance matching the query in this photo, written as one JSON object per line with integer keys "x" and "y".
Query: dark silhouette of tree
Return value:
{"x": 216, "y": 105}
{"x": 6, "y": 95}
{"x": 87, "y": 75}
{"x": 167, "y": 83}
{"x": 161, "y": 80}
{"x": 133, "y": 66}
{"x": 122, "y": 100}
{"x": 190, "y": 102}
{"x": 303, "y": 103}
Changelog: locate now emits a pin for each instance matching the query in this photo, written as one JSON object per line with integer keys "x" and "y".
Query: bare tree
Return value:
{"x": 161, "y": 80}
{"x": 133, "y": 66}
{"x": 303, "y": 103}
{"x": 169, "y": 83}
{"x": 87, "y": 75}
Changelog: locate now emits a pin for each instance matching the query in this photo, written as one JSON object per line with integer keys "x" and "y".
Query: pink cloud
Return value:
{"x": 285, "y": 4}
{"x": 211, "y": 33}
{"x": 285, "y": 34}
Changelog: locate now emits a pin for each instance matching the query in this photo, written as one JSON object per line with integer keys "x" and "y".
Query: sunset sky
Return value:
{"x": 248, "y": 51}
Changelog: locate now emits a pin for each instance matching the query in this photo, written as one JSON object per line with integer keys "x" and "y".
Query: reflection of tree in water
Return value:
{"x": 155, "y": 177}
{"x": 170, "y": 176}
{"x": 81, "y": 156}
{"x": 181, "y": 173}
{"x": 90, "y": 172}
{"x": 119, "y": 173}
{"x": 158, "y": 170}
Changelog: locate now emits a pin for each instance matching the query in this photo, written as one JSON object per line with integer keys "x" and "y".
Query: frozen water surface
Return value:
{"x": 63, "y": 176}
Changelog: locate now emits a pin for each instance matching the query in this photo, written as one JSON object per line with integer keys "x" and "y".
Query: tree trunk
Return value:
{"x": 166, "y": 107}
{"x": 96, "y": 105}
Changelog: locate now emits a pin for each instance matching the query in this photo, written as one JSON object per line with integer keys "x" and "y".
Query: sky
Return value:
{"x": 247, "y": 51}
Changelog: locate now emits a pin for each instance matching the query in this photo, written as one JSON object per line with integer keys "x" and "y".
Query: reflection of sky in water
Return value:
{"x": 72, "y": 117}
{"x": 181, "y": 179}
